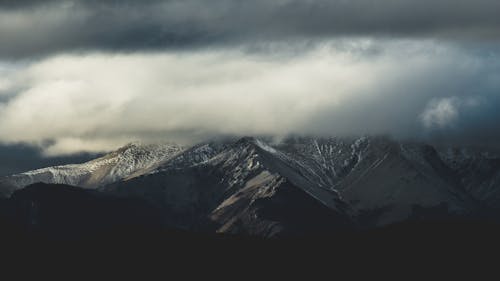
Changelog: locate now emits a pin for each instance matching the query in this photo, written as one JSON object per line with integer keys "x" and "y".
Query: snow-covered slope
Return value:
{"x": 126, "y": 162}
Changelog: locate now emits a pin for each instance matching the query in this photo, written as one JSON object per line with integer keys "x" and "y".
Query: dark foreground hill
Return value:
{"x": 54, "y": 221}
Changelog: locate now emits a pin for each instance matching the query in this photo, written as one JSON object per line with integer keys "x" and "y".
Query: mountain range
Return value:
{"x": 272, "y": 188}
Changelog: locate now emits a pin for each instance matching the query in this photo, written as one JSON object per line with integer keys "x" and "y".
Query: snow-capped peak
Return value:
{"x": 128, "y": 161}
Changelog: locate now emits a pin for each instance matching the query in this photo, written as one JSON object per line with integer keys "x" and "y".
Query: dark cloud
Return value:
{"x": 31, "y": 28}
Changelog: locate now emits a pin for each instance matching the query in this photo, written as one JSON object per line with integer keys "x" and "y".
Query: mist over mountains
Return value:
{"x": 410, "y": 89}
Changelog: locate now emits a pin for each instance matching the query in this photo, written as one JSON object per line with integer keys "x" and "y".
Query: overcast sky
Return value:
{"x": 90, "y": 76}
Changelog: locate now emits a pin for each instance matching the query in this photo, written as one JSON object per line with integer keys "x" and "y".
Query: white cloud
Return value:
{"x": 68, "y": 146}
{"x": 98, "y": 101}
{"x": 441, "y": 112}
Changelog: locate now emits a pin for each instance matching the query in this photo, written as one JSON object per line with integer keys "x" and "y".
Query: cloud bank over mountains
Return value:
{"x": 404, "y": 88}
{"x": 92, "y": 75}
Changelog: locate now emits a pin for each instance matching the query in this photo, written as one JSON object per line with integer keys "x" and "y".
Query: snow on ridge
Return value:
{"x": 114, "y": 166}
{"x": 265, "y": 146}
{"x": 319, "y": 162}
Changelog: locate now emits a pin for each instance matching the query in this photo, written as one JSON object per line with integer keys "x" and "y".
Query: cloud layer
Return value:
{"x": 91, "y": 75}
{"x": 37, "y": 28}
{"x": 407, "y": 88}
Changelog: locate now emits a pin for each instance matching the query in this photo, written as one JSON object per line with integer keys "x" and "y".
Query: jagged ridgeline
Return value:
{"x": 299, "y": 185}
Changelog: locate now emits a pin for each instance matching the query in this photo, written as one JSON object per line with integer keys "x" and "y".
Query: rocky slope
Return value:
{"x": 118, "y": 165}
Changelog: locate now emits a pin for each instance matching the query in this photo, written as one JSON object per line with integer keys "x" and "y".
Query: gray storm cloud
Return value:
{"x": 38, "y": 28}
{"x": 406, "y": 88}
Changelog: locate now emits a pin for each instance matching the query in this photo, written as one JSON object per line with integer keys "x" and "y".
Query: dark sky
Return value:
{"x": 21, "y": 158}
{"x": 90, "y": 76}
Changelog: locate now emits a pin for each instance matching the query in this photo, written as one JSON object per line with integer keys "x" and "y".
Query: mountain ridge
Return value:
{"x": 254, "y": 185}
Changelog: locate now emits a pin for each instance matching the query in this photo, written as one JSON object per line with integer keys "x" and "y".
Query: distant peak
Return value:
{"x": 138, "y": 144}
{"x": 247, "y": 139}
{"x": 129, "y": 146}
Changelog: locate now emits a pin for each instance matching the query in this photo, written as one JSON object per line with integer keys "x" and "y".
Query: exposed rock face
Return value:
{"x": 296, "y": 186}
